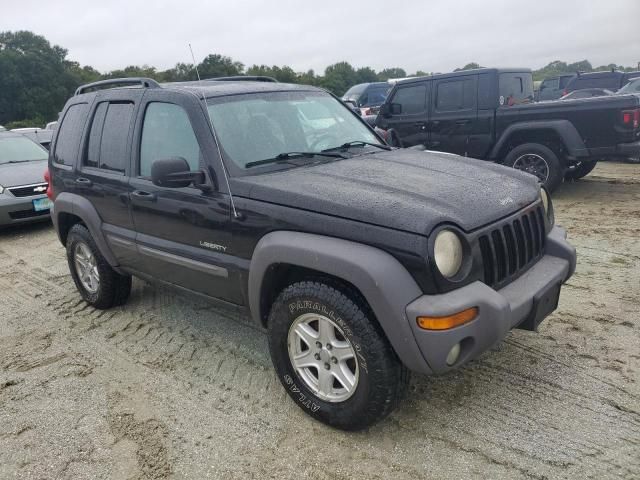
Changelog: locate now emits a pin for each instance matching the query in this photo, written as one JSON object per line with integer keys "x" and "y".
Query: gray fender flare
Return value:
{"x": 83, "y": 208}
{"x": 383, "y": 281}
{"x": 564, "y": 128}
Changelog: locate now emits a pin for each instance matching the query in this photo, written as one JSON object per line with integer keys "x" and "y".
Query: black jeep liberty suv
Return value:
{"x": 361, "y": 262}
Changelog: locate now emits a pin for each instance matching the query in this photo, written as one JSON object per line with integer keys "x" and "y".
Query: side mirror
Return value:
{"x": 174, "y": 172}
{"x": 388, "y": 109}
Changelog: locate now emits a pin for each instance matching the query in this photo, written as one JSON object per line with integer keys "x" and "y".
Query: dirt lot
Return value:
{"x": 169, "y": 387}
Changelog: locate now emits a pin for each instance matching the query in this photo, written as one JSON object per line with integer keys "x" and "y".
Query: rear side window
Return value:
{"x": 553, "y": 83}
{"x": 166, "y": 133}
{"x": 515, "y": 88}
{"x": 564, "y": 81}
{"x": 69, "y": 135}
{"x": 456, "y": 95}
{"x": 108, "y": 138}
{"x": 412, "y": 98}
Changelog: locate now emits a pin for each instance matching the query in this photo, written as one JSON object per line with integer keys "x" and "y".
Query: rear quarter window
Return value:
{"x": 109, "y": 136}
{"x": 69, "y": 134}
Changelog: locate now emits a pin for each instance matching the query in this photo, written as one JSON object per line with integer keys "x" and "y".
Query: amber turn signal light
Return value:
{"x": 450, "y": 321}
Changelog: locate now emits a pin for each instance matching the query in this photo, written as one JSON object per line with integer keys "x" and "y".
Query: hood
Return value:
{"x": 26, "y": 173}
{"x": 406, "y": 190}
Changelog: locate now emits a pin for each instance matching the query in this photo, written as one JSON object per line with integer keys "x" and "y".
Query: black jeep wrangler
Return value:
{"x": 362, "y": 262}
{"x": 489, "y": 114}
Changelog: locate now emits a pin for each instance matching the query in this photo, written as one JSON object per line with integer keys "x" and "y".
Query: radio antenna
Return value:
{"x": 224, "y": 167}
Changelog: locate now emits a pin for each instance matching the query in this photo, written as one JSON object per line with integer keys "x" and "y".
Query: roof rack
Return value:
{"x": 244, "y": 78}
{"x": 141, "y": 81}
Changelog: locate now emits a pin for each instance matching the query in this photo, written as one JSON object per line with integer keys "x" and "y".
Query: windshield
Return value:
{"x": 261, "y": 126}
{"x": 20, "y": 149}
{"x": 354, "y": 92}
{"x": 631, "y": 87}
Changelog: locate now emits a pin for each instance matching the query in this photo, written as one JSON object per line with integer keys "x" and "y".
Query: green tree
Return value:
{"x": 282, "y": 74}
{"x": 215, "y": 65}
{"x": 388, "y": 73}
{"x": 366, "y": 75}
{"x": 308, "y": 78}
{"x": 468, "y": 66}
{"x": 34, "y": 80}
{"x": 339, "y": 77}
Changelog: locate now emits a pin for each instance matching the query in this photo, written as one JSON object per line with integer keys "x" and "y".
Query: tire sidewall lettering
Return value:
{"x": 301, "y": 397}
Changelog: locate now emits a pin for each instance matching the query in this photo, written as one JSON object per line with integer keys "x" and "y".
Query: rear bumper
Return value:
{"x": 499, "y": 311}
{"x": 628, "y": 149}
{"x": 17, "y": 210}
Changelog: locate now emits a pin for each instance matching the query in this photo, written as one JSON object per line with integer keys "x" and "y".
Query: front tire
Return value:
{"x": 332, "y": 357}
{"x": 538, "y": 160}
{"x": 99, "y": 285}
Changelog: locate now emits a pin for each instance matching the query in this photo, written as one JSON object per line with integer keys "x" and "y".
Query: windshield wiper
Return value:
{"x": 357, "y": 143}
{"x": 291, "y": 155}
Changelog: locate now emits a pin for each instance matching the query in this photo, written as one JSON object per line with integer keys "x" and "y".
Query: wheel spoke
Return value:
{"x": 82, "y": 262}
{"x": 304, "y": 359}
{"x": 327, "y": 332}
{"x": 344, "y": 375}
{"x": 307, "y": 334}
{"x": 325, "y": 381}
{"x": 342, "y": 351}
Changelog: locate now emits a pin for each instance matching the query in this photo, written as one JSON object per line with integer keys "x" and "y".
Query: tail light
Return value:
{"x": 47, "y": 178}
{"x": 631, "y": 118}
{"x": 565, "y": 92}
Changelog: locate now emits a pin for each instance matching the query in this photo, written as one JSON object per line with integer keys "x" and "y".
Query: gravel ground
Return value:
{"x": 170, "y": 387}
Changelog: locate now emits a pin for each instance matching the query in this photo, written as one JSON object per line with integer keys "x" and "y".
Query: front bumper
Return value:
{"x": 16, "y": 210}
{"x": 499, "y": 311}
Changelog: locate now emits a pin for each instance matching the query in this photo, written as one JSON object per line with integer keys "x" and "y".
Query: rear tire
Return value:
{"x": 538, "y": 160}
{"x": 99, "y": 285}
{"x": 349, "y": 381}
{"x": 581, "y": 170}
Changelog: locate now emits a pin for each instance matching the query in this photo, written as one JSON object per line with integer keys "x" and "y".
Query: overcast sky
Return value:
{"x": 430, "y": 35}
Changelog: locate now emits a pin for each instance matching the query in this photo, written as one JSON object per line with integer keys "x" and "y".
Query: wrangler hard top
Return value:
{"x": 490, "y": 114}
{"x": 361, "y": 261}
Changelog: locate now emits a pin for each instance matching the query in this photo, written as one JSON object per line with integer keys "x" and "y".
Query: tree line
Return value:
{"x": 36, "y": 78}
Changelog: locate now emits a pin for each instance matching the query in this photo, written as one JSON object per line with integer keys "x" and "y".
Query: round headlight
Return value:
{"x": 447, "y": 253}
{"x": 545, "y": 200}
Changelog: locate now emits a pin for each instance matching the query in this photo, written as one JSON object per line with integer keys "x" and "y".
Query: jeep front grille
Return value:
{"x": 511, "y": 248}
{"x": 29, "y": 190}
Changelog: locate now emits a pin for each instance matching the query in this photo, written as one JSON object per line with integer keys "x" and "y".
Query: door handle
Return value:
{"x": 463, "y": 122}
{"x": 144, "y": 196}
{"x": 84, "y": 182}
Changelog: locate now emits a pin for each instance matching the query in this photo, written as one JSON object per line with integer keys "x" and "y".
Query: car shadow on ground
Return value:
{"x": 7, "y": 231}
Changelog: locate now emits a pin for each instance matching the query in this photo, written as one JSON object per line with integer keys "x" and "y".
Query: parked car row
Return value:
{"x": 22, "y": 188}
{"x": 491, "y": 114}
{"x": 560, "y": 86}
